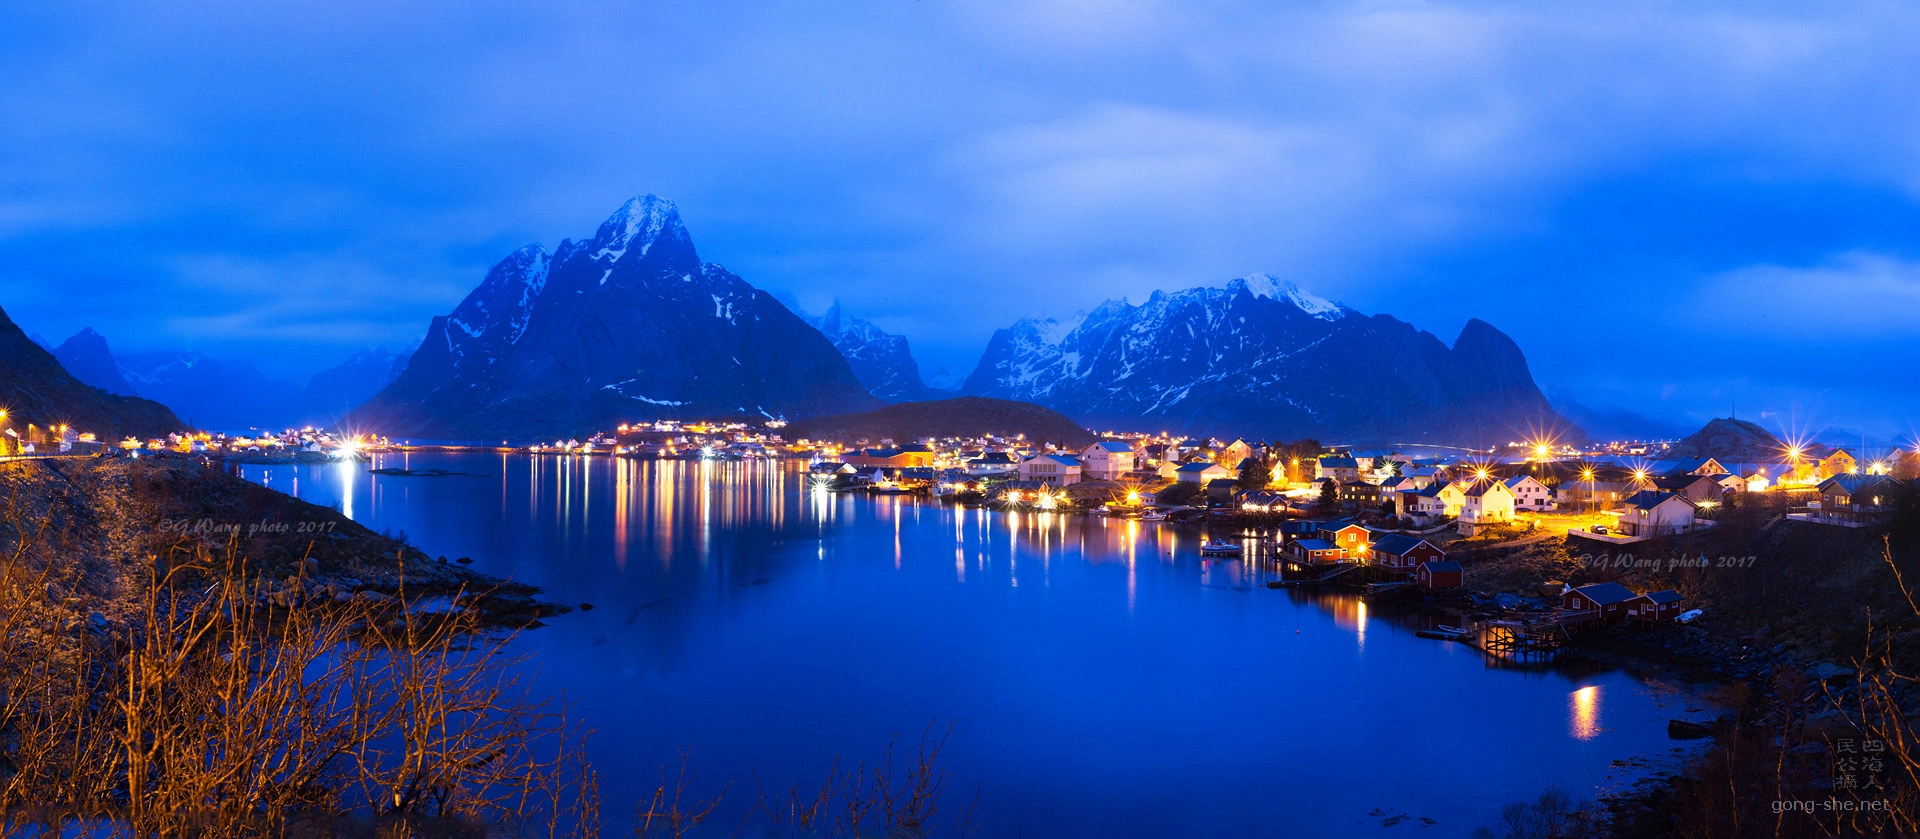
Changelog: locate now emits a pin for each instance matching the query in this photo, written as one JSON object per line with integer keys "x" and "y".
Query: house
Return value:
{"x": 1853, "y": 499}
{"x": 1313, "y": 550}
{"x": 1056, "y": 470}
{"x": 1837, "y": 462}
{"x": 1439, "y": 573}
{"x": 890, "y": 458}
{"x": 1529, "y": 493}
{"x": 1263, "y": 501}
{"x": 1294, "y": 530}
{"x": 1706, "y": 466}
{"x": 1730, "y": 483}
{"x": 1402, "y": 552}
{"x": 1353, "y": 540}
{"x": 1654, "y": 513}
{"x": 1337, "y": 468}
{"x": 1607, "y": 601}
{"x": 1236, "y": 452}
{"x": 1200, "y": 472}
{"x": 1106, "y": 460}
{"x": 1359, "y": 495}
{"x": 1700, "y": 489}
{"x": 1663, "y": 605}
{"x": 1435, "y": 501}
{"x": 1486, "y": 502}
{"x": 989, "y": 464}
{"x": 832, "y": 467}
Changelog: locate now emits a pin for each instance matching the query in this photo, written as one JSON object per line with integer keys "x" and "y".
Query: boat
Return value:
{"x": 1219, "y": 548}
{"x": 1443, "y": 632}
{"x": 1154, "y": 516}
{"x": 1100, "y": 511}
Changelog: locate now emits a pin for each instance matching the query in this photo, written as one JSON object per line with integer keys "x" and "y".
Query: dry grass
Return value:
{"x": 219, "y": 712}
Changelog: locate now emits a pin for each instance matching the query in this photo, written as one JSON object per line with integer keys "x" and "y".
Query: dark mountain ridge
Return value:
{"x": 36, "y": 390}
{"x": 1262, "y": 357}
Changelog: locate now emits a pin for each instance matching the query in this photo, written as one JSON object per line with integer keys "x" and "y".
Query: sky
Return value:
{"x": 1677, "y": 209}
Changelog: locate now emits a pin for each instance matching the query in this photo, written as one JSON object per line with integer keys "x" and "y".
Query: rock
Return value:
{"x": 586, "y": 607}
{"x": 465, "y": 560}
{"x": 1826, "y": 670}
{"x": 98, "y": 620}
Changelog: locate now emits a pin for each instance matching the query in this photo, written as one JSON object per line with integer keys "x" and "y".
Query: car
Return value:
{"x": 1600, "y": 529}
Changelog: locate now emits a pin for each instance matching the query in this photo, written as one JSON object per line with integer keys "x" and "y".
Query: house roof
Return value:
{"x": 1316, "y": 545}
{"x": 1200, "y": 466}
{"x": 1440, "y": 566}
{"x": 1061, "y": 459}
{"x": 995, "y": 458}
{"x": 1663, "y": 596}
{"x": 1112, "y": 446}
{"x": 1648, "y": 499}
{"x": 1606, "y": 594}
{"x": 1853, "y": 484}
{"x": 1398, "y": 544}
{"x": 1339, "y": 463}
{"x": 1681, "y": 481}
{"x": 1480, "y": 488}
{"x": 1518, "y": 479}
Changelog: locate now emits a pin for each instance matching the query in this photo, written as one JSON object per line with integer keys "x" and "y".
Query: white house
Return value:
{"x": 1055, "y": 470}
{"x": 1201, "y": 472}
{"x": 1652, "y": 513}
{"x": 1106, "y": 460}
{"x": 1338, "y": 468}
{"x": 1529, "y": 493}
{"x": 1485, "y": 502}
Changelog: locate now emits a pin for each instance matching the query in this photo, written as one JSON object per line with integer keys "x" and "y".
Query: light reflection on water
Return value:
{"x": 1106, "y": 680}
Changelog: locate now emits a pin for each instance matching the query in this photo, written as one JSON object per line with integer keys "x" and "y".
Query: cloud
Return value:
{"x": 946, "y": 168}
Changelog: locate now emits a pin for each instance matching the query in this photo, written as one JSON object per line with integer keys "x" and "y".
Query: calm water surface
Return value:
{"x": 1105, "y": 680}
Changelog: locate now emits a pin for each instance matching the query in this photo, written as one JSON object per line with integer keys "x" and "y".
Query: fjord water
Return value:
{"x": 1105, "y": 681}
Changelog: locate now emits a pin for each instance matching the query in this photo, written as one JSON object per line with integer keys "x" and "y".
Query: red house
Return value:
{"x": 1607, "y": 600}
{"x": 1402, "y": 552}
{"x": 1655, "y": 606}
{"x": 1439, "y": 573}
{"x": 1352, "y": 539}
{"x": 1314, "y": 550}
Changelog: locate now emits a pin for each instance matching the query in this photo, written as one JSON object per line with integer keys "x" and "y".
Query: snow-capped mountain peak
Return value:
{"x": 640, "y": 223}
{"x": 1274, "y": 288}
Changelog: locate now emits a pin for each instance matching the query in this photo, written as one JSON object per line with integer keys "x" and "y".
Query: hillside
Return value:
{"x": 1733, "y": 440}
{"x": 966, "y": 416}
{"x": 35, "y": 389}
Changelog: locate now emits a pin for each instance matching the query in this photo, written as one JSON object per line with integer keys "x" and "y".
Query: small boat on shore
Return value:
{"x": 1220, "y": 548}
{"x": 1154, "y": 516}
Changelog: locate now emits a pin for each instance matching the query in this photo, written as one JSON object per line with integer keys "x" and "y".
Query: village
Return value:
{"x": 1383, "y": 523}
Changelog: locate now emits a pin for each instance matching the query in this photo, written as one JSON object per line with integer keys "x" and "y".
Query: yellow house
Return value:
{"x": 1837, "y": 463}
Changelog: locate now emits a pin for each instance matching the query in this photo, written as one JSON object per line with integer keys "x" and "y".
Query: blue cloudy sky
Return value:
{"x": 1672, "y": 207}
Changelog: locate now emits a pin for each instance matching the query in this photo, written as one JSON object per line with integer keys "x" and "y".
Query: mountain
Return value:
{"x": 36, "y": 390}
{"x": 1261, "y": 357}
{"x": 880, "y": 360}
{"x": 215, "y": 394}
{"x": 334, "y": 392}
{"x": 1735, "y": 441}
{"x": 966, "y": 416}
{"x": 627, "y": 325}
{"x": 1607, "y": 424}
{"x": 87, "y": 358}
